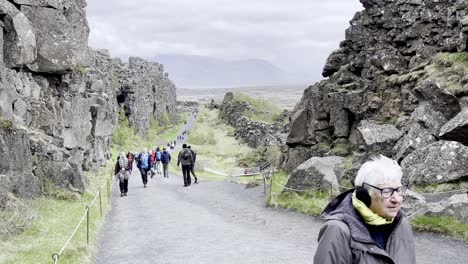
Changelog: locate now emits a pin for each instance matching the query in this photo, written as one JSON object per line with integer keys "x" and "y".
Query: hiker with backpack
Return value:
{"x": 121, "y": 174}
{"x": 144, "y": 164}
{"x": 185, "y": 157}
{"x": 158, "y": 160}
{"x": 192, "y": 168}
{"x": 165, "y": 159}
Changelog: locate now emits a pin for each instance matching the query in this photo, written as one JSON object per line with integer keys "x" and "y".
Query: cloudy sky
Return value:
{"x": 296, "y": 35}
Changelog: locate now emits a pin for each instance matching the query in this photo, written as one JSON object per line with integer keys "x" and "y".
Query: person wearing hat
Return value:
{"x": 165, "y": 159}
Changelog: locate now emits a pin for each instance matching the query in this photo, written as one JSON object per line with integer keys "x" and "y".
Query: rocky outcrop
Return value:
{"x": 61, "y": 99}
{"x": 395, "y": 87}
{"x": 316, "y": 174}
{"x": 145, "y": 91}
{"x": 255, "y": 134}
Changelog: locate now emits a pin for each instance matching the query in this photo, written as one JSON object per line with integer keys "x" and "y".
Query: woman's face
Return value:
{"x": 386, "y": 207}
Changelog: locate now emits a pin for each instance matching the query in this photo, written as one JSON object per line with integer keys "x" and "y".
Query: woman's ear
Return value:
{"x": 363, "y": 195}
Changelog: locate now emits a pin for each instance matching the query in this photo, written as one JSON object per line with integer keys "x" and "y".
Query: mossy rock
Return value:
{"x": 4, "y": 124}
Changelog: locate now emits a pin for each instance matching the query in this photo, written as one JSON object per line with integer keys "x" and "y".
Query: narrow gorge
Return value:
{"x": 60, "y": 99}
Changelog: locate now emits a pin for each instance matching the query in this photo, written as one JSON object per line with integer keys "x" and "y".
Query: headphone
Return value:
{"x": 363, "y": 195}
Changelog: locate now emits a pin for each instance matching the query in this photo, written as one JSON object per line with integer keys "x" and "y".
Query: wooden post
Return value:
{"x": 87, "y": 225}
{"x": 100, "y": 202}
{"x": 271, "y": 184}
{"x": 264, "y": 184}
{"x": 108, "y": 192}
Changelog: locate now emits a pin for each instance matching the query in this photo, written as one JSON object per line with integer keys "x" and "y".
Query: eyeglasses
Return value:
{"x": 388, "y": 191}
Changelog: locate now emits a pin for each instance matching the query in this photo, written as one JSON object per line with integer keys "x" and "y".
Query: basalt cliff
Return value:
{"x": 59, "y": 99}
{"x": 398, "y": 86}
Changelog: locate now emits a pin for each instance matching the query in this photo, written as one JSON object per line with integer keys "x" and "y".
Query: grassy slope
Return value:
{"x": 55, "y": 222}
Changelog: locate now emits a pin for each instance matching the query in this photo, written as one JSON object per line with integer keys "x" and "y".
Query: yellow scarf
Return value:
{"x": 370, "y": 217}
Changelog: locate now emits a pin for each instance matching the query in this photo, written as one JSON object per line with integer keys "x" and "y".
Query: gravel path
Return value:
{"x": 220, "y": 222}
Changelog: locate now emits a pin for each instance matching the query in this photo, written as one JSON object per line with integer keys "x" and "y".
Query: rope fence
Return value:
{"x": 108, "y": 186}
{"x": 460, "y": 191}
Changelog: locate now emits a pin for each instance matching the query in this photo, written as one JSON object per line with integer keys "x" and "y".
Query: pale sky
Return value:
{"x": 297, "y": 34}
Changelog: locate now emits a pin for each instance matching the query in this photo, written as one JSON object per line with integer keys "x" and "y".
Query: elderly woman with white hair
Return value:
{"x": 365, "y": 225}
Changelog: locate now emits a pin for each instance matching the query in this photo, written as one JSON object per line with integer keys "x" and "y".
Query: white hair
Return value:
{"x": 377, "y": 171}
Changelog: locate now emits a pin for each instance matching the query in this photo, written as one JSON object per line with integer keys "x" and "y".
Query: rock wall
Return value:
{"x": 255, "y": 134}
{"x": 59, "y": 100}
{"x": 396, "y": 86}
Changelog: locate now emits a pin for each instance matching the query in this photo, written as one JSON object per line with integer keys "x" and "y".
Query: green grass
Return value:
{"x": 262, "y": 110}
{"x": 450, "y": 71}
{"x": 56, "y": 220}
{"x": 215, "y": 148}
{"x": 442, "y": 225}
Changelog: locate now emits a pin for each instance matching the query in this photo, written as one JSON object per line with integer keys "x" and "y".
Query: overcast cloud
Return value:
{"x": 295, "y": 35}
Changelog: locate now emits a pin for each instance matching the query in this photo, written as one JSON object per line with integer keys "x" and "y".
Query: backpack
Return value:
{"x": 144, "y": 160}
{"x": 158, "y": 155}
{"x": 185, "y": 155}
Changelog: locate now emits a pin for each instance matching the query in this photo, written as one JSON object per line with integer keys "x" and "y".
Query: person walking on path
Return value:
{"x": 121, "y": 174}
{"x": 144, "y": 164}
{"x": 158, "y": 160}
{"x": 165, "y": 159}
{"x": 192, "y": 168}
{"x": 185, "y": 157}
{"x": 365, "y": 224}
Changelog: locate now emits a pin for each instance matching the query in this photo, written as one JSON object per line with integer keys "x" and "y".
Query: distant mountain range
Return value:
{"x": 208, "y": 72}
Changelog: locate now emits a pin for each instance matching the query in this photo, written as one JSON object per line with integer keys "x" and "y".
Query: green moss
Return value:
{"x": 442, "y": 225}
{"x": 464, "y": 21}
{"x": 322, "y": 147}
{"x": 341, "y": 149}
{"x": 5, "y": 123}
{"x": 391, "y": 120}
{"x": 80, "y": 69}
{"x": 450, "y": 71}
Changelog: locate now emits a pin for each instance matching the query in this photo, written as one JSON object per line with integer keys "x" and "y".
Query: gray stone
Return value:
{"x": 426, "y": 115}
{"x": 416, "y": 138}
{"x": 298, "y": 130}
{"x": 376, "y": 138}
{"x": 316, "y": 174}
{"x": 19, "y": 38}
{"x": 296, "y": 156}
{"x": 57, "y": 4}
{"x": 440, "y": 99}
{"x": 456, "y": 129}
{"x": 440, "y": 162}
{"x": 456, "y": 206}
{"x": 16, "y": 166}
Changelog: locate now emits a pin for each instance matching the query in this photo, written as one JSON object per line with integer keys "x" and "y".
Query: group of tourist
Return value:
{"x": 155, "y": 162}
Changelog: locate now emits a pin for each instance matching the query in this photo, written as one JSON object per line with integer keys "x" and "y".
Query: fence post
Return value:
{"x": 55, "y": 257}
{"x": 87, "y": 225}
{"x": 271, "y": 184}
{"x": 108, "y": 192}
{"x": 100, "y": 202}
{"x": 264, "y": 184}
{"x": 331, "y": 191}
